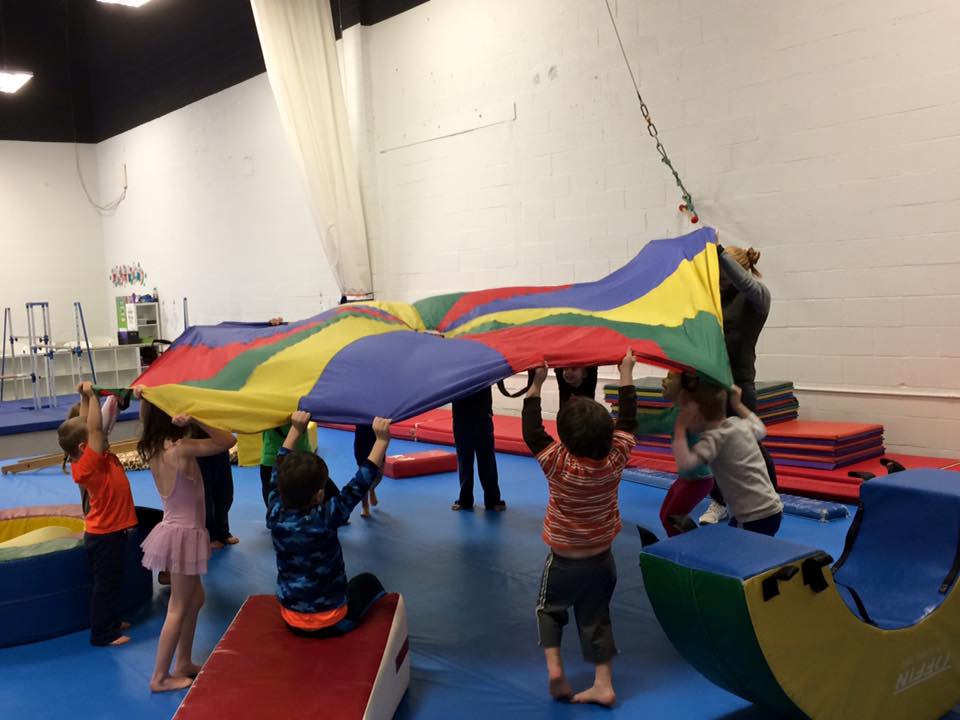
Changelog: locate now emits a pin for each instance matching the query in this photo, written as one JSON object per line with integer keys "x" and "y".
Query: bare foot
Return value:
{"x": 373, "y": 497}
{"x": 232, "y": 540}
{"x": 122, "y": 640}
{"x": 216, "y": 545}
{"x": 560, "y": 689}
{"x": 170, "y": 684}
{"x": 189, "y": 670}
{"x": 599, "y": 696}
{"x": 124, "y": 625}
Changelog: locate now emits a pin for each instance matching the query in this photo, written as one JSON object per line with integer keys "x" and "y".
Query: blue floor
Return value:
{"x": 19, "y": 416}
{"x": 470, "y": 581}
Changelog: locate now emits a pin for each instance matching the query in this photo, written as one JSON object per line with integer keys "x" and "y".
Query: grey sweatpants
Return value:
{"x": 587, "y": 585}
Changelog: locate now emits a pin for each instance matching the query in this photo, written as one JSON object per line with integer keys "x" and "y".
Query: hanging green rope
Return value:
{"x": 687, "y": 205}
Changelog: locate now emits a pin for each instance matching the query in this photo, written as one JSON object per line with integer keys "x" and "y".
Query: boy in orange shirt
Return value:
{"x": 110, "y": 517}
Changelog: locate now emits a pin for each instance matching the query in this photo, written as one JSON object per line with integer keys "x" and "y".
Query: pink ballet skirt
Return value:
{"x": 180, "y": 543}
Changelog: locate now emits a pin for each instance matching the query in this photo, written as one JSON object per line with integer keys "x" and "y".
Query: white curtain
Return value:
{"x": 301, "y": 56}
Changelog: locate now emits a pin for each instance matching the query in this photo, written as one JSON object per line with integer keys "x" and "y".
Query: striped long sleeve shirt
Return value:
{"x": 583, "y": 509}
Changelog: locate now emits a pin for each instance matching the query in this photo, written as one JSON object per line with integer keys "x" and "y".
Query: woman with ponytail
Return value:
{"x": 746, "y": 305}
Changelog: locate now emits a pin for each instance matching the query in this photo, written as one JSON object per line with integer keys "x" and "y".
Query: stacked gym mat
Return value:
{"x": 776, "y": 402}
{"x": 844, "y": 483}
{"x": 824, "y": 445}
{"x": 776, "y": 406}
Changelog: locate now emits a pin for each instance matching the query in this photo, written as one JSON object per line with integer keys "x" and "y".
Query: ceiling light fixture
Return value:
{"x": 130, "y": 3}
{"x": 13, "y": 80}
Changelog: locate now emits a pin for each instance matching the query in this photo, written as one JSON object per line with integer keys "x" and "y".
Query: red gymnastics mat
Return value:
{"x": 827, "y": 481}
{"x": 425, "y": 462}
{"x": 873, "y": 466}
{"x": 839, "y": 485}
{"x": 818, "y": 432}
{"x": 819, "y": 489}
{"x": 260, "y": 669}
{"x": 834, "y": 484}
{"x": 507, "y": 432}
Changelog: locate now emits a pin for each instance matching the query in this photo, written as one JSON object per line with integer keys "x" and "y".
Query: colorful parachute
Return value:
{"x": 397, "y": 360}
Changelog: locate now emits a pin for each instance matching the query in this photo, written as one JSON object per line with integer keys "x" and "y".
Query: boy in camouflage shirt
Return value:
{"x": 315, "y": 597}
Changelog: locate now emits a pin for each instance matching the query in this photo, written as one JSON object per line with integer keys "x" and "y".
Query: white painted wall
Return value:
{"x": 825, "y": 134}
{"x": 500, "y": 142}
{"x": 216, "y": 212}
{"x": 50, "y": 244}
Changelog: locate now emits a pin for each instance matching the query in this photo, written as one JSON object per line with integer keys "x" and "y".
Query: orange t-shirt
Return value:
{"x": 111, "y": 502}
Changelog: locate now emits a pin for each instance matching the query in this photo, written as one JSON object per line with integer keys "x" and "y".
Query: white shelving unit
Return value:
{"x": 116, "y": 366}
{"x": 145, "y": 319}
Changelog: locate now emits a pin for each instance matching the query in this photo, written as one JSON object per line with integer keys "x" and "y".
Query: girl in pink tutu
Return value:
{"x": 180, "y": 543}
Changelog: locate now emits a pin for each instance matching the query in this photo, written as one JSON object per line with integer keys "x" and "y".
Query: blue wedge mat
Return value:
{"x": 887, "y": 551}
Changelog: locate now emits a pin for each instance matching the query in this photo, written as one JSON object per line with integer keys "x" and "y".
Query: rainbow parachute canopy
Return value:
{"x": 398, "y": 360}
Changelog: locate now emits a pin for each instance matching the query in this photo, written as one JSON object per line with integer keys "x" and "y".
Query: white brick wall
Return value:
{"x": 824, "y": 134}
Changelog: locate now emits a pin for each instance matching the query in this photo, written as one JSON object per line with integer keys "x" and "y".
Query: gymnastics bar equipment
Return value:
{"x": 40, "y": 345}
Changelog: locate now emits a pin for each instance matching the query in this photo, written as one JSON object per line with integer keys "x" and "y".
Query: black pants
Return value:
{"x": 749, "y": 398}
{"x": 266, "y": 472}
{"x": 218, "y": 493}
{"x": 473, "y": 436}
{"x": 106, "y": 554}
{"x": 364, "y": 438}
{"x": 765, "y": 526}
{"x": 362, "y": 592}
{"x": 586, "y": 584}
{"x": 363, "y": 441}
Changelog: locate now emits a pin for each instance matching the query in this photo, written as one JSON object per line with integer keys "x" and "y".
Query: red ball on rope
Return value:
{"x": 694, "y": 218}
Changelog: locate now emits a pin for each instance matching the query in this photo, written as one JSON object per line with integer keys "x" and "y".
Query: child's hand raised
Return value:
{"x": 381, "y": 428}
{"x": 540, "y": 375}
{"x": 299, "y": 420}
{"x": 138, "y": 391}
{"x": 85, "y": 388}
{"x": 736, "y": 395}
{"x": 626, "y": 369}
{"x": 181, "y": 420}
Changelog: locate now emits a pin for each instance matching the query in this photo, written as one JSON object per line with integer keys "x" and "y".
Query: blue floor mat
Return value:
{"x": 19, "y": 416}
{"x": 470, "y": 580}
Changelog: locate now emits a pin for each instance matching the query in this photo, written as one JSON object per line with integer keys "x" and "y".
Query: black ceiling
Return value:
{"x": 100, "y": 69}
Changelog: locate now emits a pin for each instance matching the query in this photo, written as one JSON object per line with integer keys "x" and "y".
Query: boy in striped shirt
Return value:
{"x": 583, "y": 474}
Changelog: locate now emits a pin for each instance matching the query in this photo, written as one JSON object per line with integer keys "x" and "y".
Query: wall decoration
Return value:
{"x": 128, "y": 275}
